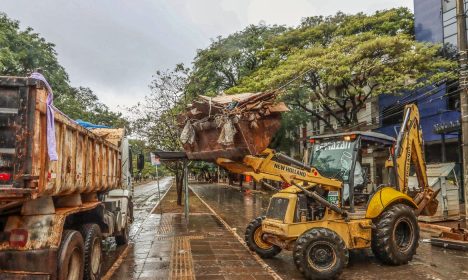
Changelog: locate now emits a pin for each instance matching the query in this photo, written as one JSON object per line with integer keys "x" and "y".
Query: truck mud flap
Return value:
{"x": 35, "y": 264}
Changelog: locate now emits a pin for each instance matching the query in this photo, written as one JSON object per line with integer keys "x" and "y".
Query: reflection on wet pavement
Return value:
{"x": 145, "y": 198}
{"x": 167, "y": 247}
{"x": 238, "y": 209}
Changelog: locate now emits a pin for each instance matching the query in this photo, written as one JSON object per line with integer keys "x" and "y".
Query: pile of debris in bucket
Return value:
{"x": 230, "y": 126}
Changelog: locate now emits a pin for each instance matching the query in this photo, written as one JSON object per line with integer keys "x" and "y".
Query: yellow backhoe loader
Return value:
{"x": 329, "y": 210}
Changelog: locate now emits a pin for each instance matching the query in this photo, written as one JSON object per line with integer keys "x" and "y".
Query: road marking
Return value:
{"x": 262, "y": 263}
{"x": 124, "y": 253}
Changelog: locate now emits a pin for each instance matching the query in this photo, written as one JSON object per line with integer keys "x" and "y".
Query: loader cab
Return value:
{"x": 353, "y": 158}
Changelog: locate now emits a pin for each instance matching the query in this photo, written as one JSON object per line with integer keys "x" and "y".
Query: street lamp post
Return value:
{"x": 462, "y": 50}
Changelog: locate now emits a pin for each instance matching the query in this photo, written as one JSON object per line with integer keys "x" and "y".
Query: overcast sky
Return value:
{"x": 114, "y": 46}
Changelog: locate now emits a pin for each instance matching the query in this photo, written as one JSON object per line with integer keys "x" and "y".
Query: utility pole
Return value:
{"x": 462, "y": 48}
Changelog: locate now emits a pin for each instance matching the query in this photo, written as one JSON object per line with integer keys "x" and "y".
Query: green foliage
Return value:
{"x": 23, "y": 52}
{"x": 156, "y": 119}
{"x": 82, "y": 103}
{"x": 344, "y": 53}
{"x": 319, "y": 30}
{"x": 341, "y": 73}
{"x": 226, "y": 60}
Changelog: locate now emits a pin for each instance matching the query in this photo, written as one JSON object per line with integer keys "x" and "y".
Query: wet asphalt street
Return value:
{"x": 238, "y": 209}
{"x": 145, "y": 198}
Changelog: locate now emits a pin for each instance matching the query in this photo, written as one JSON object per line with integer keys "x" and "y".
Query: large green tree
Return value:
{"x": 263, "y": 57}
{"x": 342, "y": 76}
{"x": 227, "y": 60}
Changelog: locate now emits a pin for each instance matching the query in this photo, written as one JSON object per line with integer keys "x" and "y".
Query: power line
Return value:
{"x": 397, "y": 110}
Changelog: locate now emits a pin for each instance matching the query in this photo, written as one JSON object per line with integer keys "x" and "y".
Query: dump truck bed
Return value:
{"x": 86, "y": 162}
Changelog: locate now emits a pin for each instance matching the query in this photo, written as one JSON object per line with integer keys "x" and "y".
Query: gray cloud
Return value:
{"x": 114, "y": 46}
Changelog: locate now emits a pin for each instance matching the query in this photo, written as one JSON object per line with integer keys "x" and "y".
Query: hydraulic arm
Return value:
{"x": 409, "y": 149}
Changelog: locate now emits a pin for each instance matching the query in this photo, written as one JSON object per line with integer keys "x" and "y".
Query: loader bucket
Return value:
{"x": 230, "y": 126}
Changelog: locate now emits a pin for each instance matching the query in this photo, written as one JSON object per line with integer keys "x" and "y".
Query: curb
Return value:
{"x": 262, "y": 263}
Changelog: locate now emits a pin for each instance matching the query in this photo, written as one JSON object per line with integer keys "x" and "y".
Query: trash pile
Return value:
{"x": 230, "y": 126}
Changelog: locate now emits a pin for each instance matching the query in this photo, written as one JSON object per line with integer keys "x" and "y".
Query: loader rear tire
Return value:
{"x": 396, "y": 235}
{"x": 320, "y": 253}
{"x": 92, "y": 251}
{"x": 253, "y": 238}
{"x": 70, "y": 261}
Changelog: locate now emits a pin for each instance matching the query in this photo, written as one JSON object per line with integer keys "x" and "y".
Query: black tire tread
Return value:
{"x": 300, "y": 249}
{"x": 89, "y": 231}
{"x": 67, "y": 236}
{"x": 381, "y": 236}
{"x": 249, "y": 232}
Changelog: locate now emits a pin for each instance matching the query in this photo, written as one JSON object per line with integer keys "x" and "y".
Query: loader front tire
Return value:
{"x": 396, "y": 235}
{"x": 320, "y": 253}
{"x": 253, "y": 238}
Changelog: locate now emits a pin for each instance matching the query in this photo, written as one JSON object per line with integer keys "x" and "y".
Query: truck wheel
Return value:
{"x": 253, "y": 238}
{"x": 92, "y": 251}
{"x": 395, "y": 239}
{"x": 320, "y": 254}
{"x": 70, "y": 256}
{"x": 123, "y": 237}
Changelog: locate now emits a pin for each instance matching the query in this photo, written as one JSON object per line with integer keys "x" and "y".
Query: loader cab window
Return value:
{"x": 333, "y": 159}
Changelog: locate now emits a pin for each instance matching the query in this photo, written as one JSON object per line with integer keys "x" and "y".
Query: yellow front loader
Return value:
{"x": 329, "y": 209}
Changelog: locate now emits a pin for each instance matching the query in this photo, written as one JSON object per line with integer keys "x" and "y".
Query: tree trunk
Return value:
{"x": 179, "y": 184}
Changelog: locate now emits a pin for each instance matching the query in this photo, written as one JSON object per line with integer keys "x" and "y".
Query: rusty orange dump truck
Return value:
{"x": 54, "y": 214}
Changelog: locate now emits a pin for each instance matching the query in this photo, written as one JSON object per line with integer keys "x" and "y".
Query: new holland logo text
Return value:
{"x": 289, "y": 169}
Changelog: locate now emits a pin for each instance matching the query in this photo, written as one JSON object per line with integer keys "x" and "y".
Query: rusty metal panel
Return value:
{"x": 255, "y": 116}
{"x": 86, "y": 162}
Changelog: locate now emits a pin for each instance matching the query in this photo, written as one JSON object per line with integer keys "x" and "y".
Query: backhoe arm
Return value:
{"x": 409, "y": 149}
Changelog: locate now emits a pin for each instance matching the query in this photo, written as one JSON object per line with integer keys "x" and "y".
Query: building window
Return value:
{"x": 449, "y": 19}
{"x": 448, "y": 5}
{"x": 315, "y": 127}
{"x": 392, "y": 115}
{"x": 315, "y": 107}
{"x": 453, "y": 97}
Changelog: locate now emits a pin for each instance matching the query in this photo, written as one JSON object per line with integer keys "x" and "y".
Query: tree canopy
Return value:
{"x": 336, "y": 63}
{"x": 156, "y": 119}
{"x": 341, "y": 76}
{"x": 227, "y": 60}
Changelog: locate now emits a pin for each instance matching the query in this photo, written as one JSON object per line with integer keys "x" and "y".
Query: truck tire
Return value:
{"x": 70, "y": 256}
{"x": 320, "y": 253}
{"x": 123, "y": 237}
{"x": 92, "y": 251}
{"x": 396, "y": 235}
{"x": 253, "y": 238}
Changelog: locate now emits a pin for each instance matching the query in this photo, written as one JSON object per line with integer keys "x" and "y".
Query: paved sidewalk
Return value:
{"x": 169, "y": 248}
